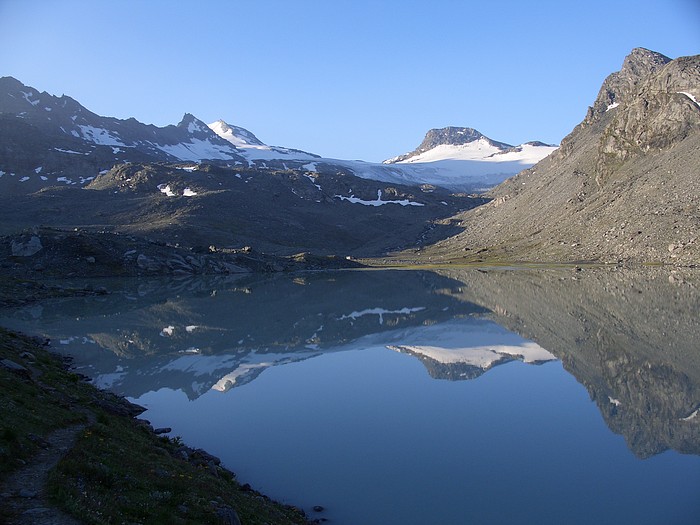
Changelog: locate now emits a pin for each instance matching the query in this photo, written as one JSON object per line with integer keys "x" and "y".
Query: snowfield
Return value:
{"x": 475, "y": 166}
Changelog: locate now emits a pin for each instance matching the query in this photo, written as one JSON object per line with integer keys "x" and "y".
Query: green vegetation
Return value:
{"x": 119, "y": 471}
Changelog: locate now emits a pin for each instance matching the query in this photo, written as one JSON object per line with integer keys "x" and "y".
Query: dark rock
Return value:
{"x": 204, "y": 455}
{"x": 15, "y": 368}
{"x": 26, "y": 248}
{"x": 318, "y": 508}
{"x": 228, "y": 516}
{"x": 162, "y": 430}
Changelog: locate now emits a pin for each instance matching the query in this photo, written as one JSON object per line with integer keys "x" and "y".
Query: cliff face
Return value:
{"x": 624, "y": 184}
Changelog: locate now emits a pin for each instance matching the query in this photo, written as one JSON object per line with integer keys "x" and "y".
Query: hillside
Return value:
{"x": 623, "y": 186}
{"x": 281, "y": 212}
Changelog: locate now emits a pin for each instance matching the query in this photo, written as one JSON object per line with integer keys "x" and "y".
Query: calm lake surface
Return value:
{"x": 413, "y": 397}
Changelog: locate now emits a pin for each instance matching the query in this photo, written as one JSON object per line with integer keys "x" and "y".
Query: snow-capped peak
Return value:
{"x": 234, "y": 134}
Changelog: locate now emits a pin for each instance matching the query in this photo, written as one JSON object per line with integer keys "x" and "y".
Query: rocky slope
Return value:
{"x": 281, "y": 212}
{"x": 623, "y": 186}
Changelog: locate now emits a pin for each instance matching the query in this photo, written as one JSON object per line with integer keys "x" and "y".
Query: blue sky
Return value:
{"x": 362, "y": 79}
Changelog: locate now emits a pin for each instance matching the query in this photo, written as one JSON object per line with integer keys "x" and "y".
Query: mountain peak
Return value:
{"x": 234, "y": 134}
{"x": 637, "y": 66}
{"x": 449, "y": 136}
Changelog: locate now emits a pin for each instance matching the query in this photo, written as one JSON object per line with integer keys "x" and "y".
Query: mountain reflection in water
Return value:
{"x": 629, "y": 337}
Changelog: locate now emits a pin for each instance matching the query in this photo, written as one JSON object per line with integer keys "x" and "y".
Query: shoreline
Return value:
{"x": 154, "y": 478}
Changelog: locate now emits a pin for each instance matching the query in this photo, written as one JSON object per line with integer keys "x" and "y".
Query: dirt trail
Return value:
{"x": 24, "y": 492}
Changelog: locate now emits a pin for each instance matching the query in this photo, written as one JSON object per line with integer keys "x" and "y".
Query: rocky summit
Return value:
{"x": 622, "y": 187}
{"x": 450, "y": 136}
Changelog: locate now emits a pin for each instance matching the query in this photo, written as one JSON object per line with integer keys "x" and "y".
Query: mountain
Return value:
{"x": 461, "y": 156}
{"x": 49, "y": 140}
{"x": 453, "y": 138}
{"x": 254, "y": 150}
{"x": 623, "y": 185}
{"x": 196, "y": 185}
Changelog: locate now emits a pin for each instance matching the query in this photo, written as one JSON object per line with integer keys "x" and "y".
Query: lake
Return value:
{"x": 511, "y": 395}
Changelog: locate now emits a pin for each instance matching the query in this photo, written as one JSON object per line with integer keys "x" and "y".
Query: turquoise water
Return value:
{"x": 415, "y": 397}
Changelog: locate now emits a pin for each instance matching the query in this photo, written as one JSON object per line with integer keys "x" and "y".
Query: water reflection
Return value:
{"x": 392, "y": 405}
{"x": 629, "y": 337}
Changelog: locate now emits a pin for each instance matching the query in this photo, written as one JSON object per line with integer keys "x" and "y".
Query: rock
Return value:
{"x": 28, "y": 355}
{"x": 228, "y": 516}
{"x": 90, "y": 259}
{"x": 15, "y": 368}
{"x": 25, "y": 493}
{"x": 162, "y": 430}
{"x": 209, "y": 458}
{"x": 318, "y": 508}
{"x": 26, "y": 249}
{"x": 148, "y": 263}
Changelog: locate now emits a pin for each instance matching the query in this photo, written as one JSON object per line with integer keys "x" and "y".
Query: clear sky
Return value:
{"x": 352, "y": 79}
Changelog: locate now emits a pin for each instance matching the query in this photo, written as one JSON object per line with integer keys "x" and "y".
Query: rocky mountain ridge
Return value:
{"x": 54, "y": 141}
{"x": 622, "y": 187}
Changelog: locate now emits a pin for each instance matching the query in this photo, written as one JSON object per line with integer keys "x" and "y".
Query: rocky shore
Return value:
{"x": 71, "y": 453}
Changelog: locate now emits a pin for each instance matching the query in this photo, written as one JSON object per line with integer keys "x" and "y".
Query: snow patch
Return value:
{"x": 71, "y": 151}
{"x": 381, "y": 312}
{"x": 167, "y": 331}
{"x": 198, "y": 149}
{"x": 612, "y": 106}
{"x": 378, "y": 201}
{"x": 27, "y": 97}
{"x": 166, "y": 190}
{"x": 313, "y": 181}
{"x": 187, "y": 192}
{"x": 690, "y": 96}
{"x": 38, "y": 170}
{"x": 691, "y": 416}
{"x": 24, "y": 179}
{"x": 99, "y": 136}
